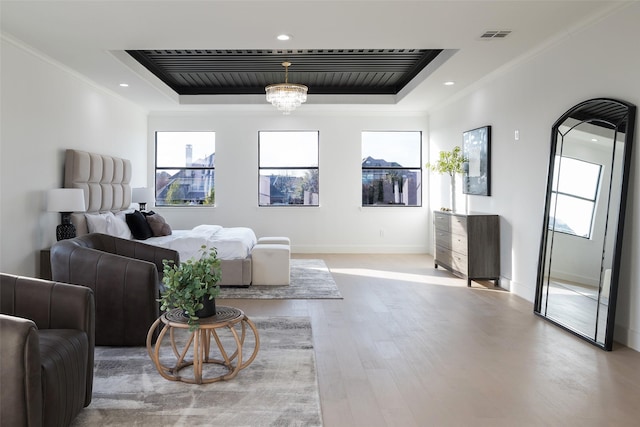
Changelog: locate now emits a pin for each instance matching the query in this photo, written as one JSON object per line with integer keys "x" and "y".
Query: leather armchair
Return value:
{"x": 47, "y": 332}
{"x": 125, "y": 276}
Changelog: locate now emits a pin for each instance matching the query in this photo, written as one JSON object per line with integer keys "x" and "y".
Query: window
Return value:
{"x": 573, "y": 196}
{"x": 391, "y": 168}
{"x": 288, "y": 168}
{"x": 185, "y": 168}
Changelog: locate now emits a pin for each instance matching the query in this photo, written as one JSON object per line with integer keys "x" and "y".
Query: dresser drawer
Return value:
{"x": 459, "y": 263}
{"x": 443, "y": 238}
{"x": 458, "y": 225}
{"x": 443, "y": 256}
{"x": 459, "y": 244}
{"x": 453, "y": 260}
{"x": 454, "y": 242}
{"x": 441, "y": 221}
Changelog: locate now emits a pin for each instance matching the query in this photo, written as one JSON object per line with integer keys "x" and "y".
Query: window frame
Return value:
{"x": 594, "y": 201}
{"x": 289, "y": 168}
{"x": 417, "y": 168}
{"x": 211, "y": 168}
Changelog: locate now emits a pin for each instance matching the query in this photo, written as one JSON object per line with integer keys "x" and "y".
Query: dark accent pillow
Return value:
{"x": 139, "y": 226}
{"x": 158, "y": 225}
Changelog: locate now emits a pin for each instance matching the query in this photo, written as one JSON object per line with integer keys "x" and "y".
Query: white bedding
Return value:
{"x": 230, "y": 243}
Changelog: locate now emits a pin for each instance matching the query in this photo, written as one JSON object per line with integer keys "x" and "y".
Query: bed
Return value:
{"x": 107, "y": 191}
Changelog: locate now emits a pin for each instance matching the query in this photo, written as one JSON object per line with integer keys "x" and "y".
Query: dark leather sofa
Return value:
{"x": 125, "y": 276}
{"x": 46, "y": 351}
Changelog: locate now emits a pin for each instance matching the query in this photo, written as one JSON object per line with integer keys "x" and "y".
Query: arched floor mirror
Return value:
{"x": 579, "y": 263}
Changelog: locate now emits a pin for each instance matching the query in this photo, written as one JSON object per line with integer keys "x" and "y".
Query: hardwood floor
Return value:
{"x": 413, "y": 346}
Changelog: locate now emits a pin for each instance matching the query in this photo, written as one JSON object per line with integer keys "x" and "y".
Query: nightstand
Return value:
{"x": 45, "y": 264}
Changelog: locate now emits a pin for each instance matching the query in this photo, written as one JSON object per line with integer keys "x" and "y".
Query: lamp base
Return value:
{"x": 65, "y": 231}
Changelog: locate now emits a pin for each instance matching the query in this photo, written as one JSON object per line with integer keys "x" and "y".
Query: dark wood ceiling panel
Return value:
{"x": 324, "y": 71}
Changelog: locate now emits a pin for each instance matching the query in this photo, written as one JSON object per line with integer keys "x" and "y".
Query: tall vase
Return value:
{"x": 453, "y": 192}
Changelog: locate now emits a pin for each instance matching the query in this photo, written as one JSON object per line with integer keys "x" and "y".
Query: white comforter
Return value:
{"x": 230, "y": 243}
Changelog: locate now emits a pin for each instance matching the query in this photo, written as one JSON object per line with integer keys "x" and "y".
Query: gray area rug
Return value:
{"x": 279, "y": 388}
{"x": 310, "y": 279}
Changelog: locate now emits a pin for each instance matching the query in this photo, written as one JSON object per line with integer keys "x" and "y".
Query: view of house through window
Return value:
{"x": 573, "y": 196}
{"x": 288, "y": 168}
{"x": 185, "y": 168}
{"x": 391, "y": 168}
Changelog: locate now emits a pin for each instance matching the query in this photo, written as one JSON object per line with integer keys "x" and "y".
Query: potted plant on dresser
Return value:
{"x": 452, "y": 163}
{"x": 192, "y": 286}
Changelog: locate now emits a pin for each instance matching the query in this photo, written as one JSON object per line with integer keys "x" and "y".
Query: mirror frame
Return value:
{"x": 615, "y": 113}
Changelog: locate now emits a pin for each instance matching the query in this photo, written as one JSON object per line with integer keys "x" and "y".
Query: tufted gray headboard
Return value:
{"x": 104, "y": 179}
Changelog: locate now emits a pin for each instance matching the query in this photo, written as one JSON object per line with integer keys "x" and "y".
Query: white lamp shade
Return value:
{"x": 143, "y": 195}
{"x": 65, "y": 200}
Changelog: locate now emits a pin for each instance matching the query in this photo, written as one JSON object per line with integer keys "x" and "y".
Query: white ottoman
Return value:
{"x": 270, "y": 264}
{"x": 274, "y": 240}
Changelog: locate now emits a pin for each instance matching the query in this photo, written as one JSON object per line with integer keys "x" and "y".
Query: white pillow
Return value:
{"x": 97, "y": 223}
{"x": 108, "y": 223}
{"x": 122, "y": 214}
{"x": 117, "y": 226}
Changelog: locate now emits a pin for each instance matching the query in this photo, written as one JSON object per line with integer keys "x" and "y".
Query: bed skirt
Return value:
{"x": 235, "y": 272}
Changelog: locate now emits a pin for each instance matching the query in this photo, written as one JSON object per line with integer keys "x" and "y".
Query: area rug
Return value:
{"x": 310, "y": 279}
{"x": 279, "y": 388}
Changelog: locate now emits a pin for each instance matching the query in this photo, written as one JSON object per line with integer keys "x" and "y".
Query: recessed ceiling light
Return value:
{"x": 284, "y": 37}
{"x": 124, "y": 85}
{"x": 449, "y": 83}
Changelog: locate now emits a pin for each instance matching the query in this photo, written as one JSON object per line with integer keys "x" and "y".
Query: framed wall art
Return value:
{"x": 476, "y": 148}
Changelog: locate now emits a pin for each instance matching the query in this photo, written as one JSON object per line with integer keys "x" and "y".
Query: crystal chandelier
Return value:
{"x": 286, "y": 96}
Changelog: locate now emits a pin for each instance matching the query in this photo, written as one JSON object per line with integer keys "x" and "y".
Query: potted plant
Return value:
{"x": 451, "y": 163}
{"x": 192, "y": 286}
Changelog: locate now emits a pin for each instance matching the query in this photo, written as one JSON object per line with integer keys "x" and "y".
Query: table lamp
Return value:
{"x": 142, "y": 195}
{"x": 65, "y": 201}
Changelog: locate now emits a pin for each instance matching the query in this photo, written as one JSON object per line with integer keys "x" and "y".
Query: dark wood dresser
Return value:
{"x": 468, "y": 245}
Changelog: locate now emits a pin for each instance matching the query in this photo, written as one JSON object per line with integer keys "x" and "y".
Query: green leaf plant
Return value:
{"x": 449, "y": 162}
{"x": 187, "y": 284}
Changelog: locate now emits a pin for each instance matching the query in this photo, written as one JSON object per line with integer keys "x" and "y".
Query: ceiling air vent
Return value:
{"x": 495, "y": 34}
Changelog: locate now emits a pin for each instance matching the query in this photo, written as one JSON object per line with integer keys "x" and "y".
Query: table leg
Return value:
{"x": 150, "y": 338}
{"x": 198, "y": 356}
{"x": 223, "y": 352}
{"x": 154, "y": 353}
{"x": 257, "y": 343}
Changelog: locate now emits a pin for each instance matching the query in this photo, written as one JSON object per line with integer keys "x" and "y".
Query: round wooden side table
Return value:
{"x": 226, "y": 318}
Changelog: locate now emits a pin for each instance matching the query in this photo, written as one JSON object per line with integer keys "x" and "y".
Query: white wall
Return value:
{"x": 45, "y": 110}
{"x": 340, "y": 224}
{"x": 600, "y": 61}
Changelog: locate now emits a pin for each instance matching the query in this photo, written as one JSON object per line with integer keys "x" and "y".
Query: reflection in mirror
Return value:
{"x": 584, "y": 218}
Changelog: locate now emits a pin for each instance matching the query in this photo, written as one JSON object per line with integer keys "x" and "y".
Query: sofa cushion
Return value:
{"x": 139, "y": 226}
{"x": 158, "y": 225}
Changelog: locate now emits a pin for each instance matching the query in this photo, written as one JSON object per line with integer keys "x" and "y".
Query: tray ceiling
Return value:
{"x": 324, "y": 71}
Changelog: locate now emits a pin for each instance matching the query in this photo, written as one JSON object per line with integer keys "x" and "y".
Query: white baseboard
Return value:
{"x": 626, "y": 336}
{"x": 369, "y": 249}
{"x": 576, "y": 278}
